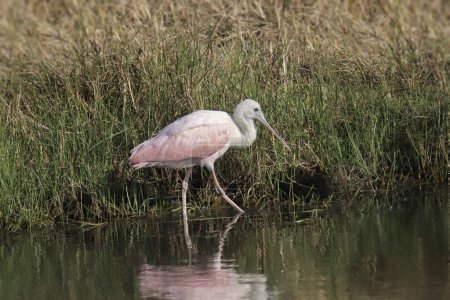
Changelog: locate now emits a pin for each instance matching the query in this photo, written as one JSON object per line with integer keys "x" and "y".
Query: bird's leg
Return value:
{"x": 222, "y": 193}
{"x": 184, "y": 188}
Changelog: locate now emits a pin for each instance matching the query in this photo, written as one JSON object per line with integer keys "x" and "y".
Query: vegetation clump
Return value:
{"x": 359, "y": 89}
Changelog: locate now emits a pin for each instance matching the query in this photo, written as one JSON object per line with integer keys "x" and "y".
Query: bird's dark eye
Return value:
{"x": 256, "y": 109}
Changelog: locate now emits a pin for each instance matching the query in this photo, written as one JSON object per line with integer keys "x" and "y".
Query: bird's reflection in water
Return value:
{"x": 217, "y": 279}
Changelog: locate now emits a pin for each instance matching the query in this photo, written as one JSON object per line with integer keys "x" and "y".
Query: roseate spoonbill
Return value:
{"x": 199, "y": 139}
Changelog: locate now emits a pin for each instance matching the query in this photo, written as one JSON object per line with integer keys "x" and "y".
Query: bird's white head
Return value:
{"x": 250, "y": 109}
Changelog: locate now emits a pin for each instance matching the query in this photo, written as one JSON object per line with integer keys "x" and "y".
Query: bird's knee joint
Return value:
{"x": 184, "y": 185}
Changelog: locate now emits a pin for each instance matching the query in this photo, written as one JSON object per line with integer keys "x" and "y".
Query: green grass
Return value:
{"x": 81, "y": 84}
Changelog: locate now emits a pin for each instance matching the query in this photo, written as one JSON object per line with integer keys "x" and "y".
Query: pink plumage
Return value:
{"x": 185, "y": 142}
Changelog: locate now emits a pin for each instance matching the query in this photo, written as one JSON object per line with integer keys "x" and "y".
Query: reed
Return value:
{"x": 359, "y": 90}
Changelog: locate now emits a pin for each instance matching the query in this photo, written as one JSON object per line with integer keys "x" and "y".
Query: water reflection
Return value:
{"x": 217, "y": 279}
{"x": 402, "y": 253}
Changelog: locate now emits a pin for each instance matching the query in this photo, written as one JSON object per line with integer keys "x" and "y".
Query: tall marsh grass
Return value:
{"x": 359, "y": 89}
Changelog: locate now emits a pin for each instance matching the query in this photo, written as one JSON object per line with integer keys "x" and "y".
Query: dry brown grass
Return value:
{"x": 370, "y": 39}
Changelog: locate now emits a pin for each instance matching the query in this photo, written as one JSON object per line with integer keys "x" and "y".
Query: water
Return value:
{"x": 400, "y": 253}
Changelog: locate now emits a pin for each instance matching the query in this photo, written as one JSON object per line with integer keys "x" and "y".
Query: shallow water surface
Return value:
{"x": 397, "y": 254}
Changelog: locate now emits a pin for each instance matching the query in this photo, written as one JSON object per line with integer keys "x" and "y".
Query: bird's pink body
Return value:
{"x": 199, "y": 138}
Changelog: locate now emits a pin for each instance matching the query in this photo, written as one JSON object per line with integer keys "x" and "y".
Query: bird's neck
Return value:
{"x": 247, "y": 128}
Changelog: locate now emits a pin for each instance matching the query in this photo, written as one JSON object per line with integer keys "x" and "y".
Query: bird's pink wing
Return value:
{"x": 197, "y": 135}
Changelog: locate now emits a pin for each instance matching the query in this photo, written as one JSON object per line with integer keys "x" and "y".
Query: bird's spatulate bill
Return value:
{"x": 274, "y": 132}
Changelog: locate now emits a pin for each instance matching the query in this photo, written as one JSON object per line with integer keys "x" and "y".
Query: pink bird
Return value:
{"x": 199, "y": 139}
